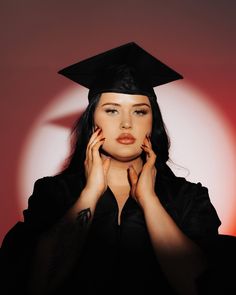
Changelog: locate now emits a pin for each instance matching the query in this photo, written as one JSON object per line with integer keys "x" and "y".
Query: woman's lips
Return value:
{"x": 126, "y": 138}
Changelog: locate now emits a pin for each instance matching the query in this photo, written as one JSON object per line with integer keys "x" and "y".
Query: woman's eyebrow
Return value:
{"x": 117, "y": 104}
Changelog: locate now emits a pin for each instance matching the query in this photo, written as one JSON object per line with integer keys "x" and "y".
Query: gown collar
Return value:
{"x": 107, "y": 204}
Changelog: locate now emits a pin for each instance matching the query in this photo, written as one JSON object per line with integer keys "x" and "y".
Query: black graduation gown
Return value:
{"x": 117, "y": 259}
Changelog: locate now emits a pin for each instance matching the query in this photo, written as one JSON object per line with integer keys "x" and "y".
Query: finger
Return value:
{"x": 146, "y": 149}
{"x": 151, "y": 156}
{"x": 94, "y": 150}
{"x": 96, "y": 135}
{"x": 95, "y": 128}
{"x": 147, "y": 145}
{"x": 154, "y": 172}
{"x": 93, "y": 140}
{"x": 145, "y": 141}
{"x": 94, "y": 155}
{"x": 148, "y": 141}
{"x": 133, "y": 176}
{"x": 106, "y": 165}
{"x": 97, "y": 139}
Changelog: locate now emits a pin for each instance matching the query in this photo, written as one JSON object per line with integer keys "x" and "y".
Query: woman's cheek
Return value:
{"x": 108, "y": 141}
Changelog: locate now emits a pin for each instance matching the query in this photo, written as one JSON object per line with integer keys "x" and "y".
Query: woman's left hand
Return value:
{"x": 142, "y": 186}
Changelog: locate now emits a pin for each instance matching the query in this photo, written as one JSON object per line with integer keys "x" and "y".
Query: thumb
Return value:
{"x": 133, "y": 176}
{"x": 106, "y": 165}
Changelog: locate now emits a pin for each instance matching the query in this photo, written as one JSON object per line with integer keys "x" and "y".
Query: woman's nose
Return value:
{"x": 126, "y": 123}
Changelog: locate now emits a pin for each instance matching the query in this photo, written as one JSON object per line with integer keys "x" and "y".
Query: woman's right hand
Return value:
{"x": 95, "y": 168}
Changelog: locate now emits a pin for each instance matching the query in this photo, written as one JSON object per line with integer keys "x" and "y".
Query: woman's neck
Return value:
{"x": 118, "y": 171}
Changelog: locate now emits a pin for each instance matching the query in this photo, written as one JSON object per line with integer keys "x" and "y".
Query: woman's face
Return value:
{"x": 118, "y": 115}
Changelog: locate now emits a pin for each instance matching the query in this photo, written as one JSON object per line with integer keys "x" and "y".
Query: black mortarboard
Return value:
{"x": 124, "y": 69}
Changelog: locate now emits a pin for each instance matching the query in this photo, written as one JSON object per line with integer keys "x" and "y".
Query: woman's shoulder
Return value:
{"x": 186, "y": 186}
{"x": 61, "y": 182}
{"x": 51, "y": 197}
{"x": 57, "y": 190}
{"x": 184, "y": 195}
{"x": 179, "y": 186}
{"x": 180, "y": 193}
{"x": 190, "y": 205}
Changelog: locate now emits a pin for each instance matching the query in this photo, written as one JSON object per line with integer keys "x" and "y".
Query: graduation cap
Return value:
{"x": 124, "y": 69}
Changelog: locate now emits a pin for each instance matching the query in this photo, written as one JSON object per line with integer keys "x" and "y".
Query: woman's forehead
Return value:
{"x": 123, "y": 98}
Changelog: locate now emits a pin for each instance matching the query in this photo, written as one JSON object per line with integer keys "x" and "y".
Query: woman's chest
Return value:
{"x": 121, "y": 195}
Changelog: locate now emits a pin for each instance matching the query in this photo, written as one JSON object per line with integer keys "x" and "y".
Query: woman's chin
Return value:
{"x": 124, "y": 156}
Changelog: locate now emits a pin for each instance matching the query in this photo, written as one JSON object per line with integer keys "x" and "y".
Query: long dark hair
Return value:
{"x": 84, "y": 127}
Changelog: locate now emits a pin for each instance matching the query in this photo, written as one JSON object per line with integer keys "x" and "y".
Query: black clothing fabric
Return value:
{"x": 117, "y": 259}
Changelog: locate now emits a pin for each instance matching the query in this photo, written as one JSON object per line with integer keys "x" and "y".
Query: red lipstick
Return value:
{"x": 126, "y": 138}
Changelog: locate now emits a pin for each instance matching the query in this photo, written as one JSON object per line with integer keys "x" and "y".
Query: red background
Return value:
{"x": 40, "y": 37}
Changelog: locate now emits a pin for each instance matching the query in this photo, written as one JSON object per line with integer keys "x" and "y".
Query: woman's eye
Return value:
{"x": 111, "y": 111}
{"x": 138, "y": 112}
{"x": 141, "y": 112}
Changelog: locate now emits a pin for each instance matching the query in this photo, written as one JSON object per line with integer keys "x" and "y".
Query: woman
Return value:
{"x": 116, "y": 220}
